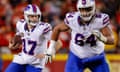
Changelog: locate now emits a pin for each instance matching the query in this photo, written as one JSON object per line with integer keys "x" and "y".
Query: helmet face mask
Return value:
{"x": 33, "y": 19}
{"x": 86, "y": 9}
{"x": 85, "y": 12}
{"x": 32, "y": 14}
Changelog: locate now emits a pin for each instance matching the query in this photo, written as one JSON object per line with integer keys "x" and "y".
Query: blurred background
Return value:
{"x": 53, "y": 12}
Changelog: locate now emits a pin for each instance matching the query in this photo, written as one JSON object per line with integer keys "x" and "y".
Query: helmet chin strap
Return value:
{"x": 88, "y": 21}
{"x": 87, "y": 16}
{"x": 32, "y": 24}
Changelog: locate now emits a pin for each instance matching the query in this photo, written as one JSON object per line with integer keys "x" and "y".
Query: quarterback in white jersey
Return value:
{"x": 89, "y": 31}
{"x": 35, "y": 35}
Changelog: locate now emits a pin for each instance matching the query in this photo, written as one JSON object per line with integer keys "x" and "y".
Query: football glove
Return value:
{"x": 48, "y": 58}
{"x": 100, "y": 36}
{"x": 50, "y": 52}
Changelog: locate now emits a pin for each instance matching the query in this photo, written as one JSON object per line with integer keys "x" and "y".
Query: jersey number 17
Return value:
{"x": 33, "y": 46}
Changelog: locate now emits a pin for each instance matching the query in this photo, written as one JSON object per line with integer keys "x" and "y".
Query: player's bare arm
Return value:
{"x": 59, "y": 28}
{"x": 58, "y": 45}
{"x": 107, "y": 32}
{"x": 105, "y": 35}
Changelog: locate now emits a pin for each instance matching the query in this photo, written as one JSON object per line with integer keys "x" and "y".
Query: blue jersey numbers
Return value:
{"x": 81, "y": 40}
{"x": 91, "y": 40}
{"x": 32, "y": 44}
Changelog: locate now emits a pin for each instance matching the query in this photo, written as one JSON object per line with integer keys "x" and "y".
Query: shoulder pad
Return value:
{"x": 70, "y": 15}
{"x": 21, "y": 21}
{"x": 44, "y": 24}
{"x": 47, "y": 28}
{"x": 98, "y": 15}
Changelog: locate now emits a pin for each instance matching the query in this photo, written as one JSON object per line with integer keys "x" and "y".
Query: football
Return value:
{"x": 16, "y": 40}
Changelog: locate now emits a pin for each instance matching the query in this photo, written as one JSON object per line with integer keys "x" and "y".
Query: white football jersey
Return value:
{"x": 83, "y": 43}
{"x": 34, "y": 42}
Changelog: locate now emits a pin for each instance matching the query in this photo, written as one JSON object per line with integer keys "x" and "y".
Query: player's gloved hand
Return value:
{"x": 15, "y": 42}
{"x": 49, "y": 58}
{"x": 13, "y": 45}
{"x": 99, "y": 35}
{"x": 50, "y": 52}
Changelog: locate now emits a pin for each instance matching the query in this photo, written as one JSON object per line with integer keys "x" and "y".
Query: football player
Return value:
{"x": 34, "y": 35}
{"x": 89, "y": 32}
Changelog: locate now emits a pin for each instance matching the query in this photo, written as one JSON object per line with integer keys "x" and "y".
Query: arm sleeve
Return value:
{"x": 69, "y": 19}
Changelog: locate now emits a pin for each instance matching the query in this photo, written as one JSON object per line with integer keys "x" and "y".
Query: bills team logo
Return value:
{"x": 27, "y": 8}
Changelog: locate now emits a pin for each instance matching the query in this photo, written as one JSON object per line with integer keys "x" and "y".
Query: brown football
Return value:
{"x": 17, "y": 39}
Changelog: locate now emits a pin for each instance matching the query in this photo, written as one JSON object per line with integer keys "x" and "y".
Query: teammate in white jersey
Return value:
{"x": 34, "y": 35}
{"x": 89, "y": 31}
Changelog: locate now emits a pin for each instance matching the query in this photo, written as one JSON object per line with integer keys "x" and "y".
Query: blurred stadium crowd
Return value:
{"x": 53, "y": 12}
